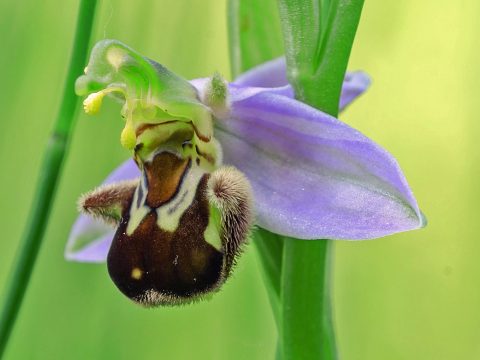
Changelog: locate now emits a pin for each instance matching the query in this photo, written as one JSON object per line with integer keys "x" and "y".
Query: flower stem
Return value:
{"x": 48, "y": 178}
{"x": 307, "y": 331}
{"x": 317, "y": 48}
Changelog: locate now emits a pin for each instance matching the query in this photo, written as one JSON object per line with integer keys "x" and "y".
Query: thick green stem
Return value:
{"x": 48, "y": 179}
{"x": 318, "y": 48}
{"x": 307, "y": 326}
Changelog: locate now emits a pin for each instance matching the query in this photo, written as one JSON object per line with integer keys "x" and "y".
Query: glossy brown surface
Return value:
{"x": 164, "y": 176}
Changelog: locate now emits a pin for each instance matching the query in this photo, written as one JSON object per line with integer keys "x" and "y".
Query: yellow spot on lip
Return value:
{"x": 137, "y": 273}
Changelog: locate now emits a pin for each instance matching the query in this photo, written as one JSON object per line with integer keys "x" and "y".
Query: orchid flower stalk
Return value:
{"x": 312, "y": 177}
{"x": 214, "y": 164}
{"x": 262, "y": 130}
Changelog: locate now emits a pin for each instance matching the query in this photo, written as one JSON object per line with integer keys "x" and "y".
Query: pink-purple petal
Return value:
{"x": 274, "y": 74}
{"x": 312, "y": 175}
{"x": 90, "y": 239}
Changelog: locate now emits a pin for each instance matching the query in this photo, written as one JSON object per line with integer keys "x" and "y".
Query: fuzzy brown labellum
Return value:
{"x": 180, "y": 228}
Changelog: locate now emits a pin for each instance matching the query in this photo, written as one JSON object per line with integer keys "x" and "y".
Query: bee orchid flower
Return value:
{"x": 311, "y": 175}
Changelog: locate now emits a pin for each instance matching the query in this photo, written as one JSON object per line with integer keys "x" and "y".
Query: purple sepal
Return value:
{"x": 312, "y": 175}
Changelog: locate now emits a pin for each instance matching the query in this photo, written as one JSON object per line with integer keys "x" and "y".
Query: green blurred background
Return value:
{"x": 410, "y": 296}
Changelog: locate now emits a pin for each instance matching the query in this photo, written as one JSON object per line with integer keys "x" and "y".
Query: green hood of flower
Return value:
{"x": 152, "y": 94}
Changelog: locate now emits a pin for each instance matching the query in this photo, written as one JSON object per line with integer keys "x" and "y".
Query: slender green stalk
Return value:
{"x": 317, "y": 57}
{"x": 253, "y": 40}
{"x": 48, "y": 179}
